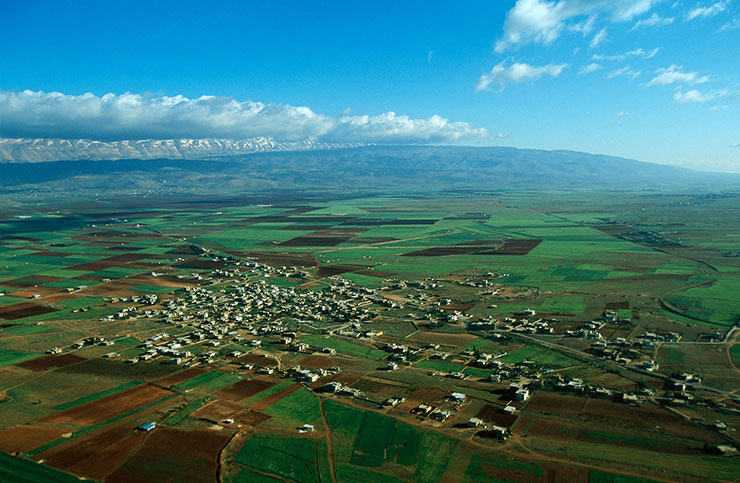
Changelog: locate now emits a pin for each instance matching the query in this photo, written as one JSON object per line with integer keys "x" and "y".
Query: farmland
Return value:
{"x": 455, "y": 337}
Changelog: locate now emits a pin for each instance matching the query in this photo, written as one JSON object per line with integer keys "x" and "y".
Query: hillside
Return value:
{"x": 374, "y": 168}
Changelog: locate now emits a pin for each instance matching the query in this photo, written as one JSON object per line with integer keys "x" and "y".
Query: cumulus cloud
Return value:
{"x": 542, "y": 21}
{"x": 503, "y": 75}
{"x": 694, "y": 95}
{"x": 707, "y": 11}
{"x": 637, "y": 53}
{"x": 675, "y": 74}
{"x": 654, "y": 20}
{"x": 134, "y": 116}
{"x": 592, "y": 67}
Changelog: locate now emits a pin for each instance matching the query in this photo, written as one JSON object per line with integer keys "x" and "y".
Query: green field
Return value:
{"x": 19, "y": 470}
{"x": 345, "y": 347}
{"x": 592, "y": 252}
{"x": 297, "y": 459}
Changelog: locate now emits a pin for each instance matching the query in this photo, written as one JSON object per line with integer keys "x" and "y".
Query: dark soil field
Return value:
{"x": 97, "y": 455}
{"x": 554, "y": 403}
{"x": 112, "y": 368}
{"x": 190, "y": 373}
{"x": 427, "y": 395}
{"x": 515, "y": 247}
{"x": 331, "y": 270}
{"x": 257, "y": 359}
{"x": 454, "y": 340}
{"x": 323, "y": 238}
{"x": 47, "y": 362}
{"x": 217, "y": 411}
{"x": 243, "y": 389}
{"x": 24, "y": 309}
{"x": 253, "y": 418}
{"x": 24, "y": 438}
{"x": 316, "y": 362}
{"x": 377, "y": 388}
{"x": 171, "y": 455}
{"x": 497, "y": 416}
{"x": 108, "y": 407}
{"x": 458, "y": 307}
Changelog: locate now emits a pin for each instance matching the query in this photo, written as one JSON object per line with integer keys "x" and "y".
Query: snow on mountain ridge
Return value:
{"x": 42, "y": 150}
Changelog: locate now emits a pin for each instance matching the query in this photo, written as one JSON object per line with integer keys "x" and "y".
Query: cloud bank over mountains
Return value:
{"x": 113, "y": 118}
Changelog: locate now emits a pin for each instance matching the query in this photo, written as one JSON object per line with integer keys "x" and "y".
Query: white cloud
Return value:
{"x": 542, "y": 21}
{"x": 598, "y": 38}
{"x": 639, "y": 53}
{"x": 674, "y": 74}
{"x": 625, "y": 71}
{"x": 654, "y": 20}
{"x": 731, "y": 25}
{"x": 707, "y": 11}
{"x": 592, "y": 67}
{"x": 735, "y": 145}
{"x": 111, "y": 117}
{"x": 585, "y": 27}
{"x": 503, "y": 75}
{"x": 694, "y": 95}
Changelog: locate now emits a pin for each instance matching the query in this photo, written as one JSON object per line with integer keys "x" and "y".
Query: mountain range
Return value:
{"x": 366, "y": 168}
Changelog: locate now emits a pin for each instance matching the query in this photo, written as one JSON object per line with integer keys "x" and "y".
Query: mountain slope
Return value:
{"x": 373, "y": 168}
{"x": 44, "y": 150}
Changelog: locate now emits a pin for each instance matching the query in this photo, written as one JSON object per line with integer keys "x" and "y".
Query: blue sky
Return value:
{"x": 648, "y": 79}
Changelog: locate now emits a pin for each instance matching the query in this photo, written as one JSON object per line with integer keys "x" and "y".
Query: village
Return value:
{"x": 236, "y": 318}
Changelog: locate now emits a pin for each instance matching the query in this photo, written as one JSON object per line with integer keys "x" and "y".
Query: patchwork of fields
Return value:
{"x": 151, "y": 311}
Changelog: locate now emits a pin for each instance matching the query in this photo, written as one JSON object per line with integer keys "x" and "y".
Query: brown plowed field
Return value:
{"x": 458, "y": 307}
{"x": 253, "y": 418}
{"x": 377, "y": 387}
{"x": 315, "y": 362}
{"x": 46, "y": 362}
{"x": 105, "y": 408}
{"x": 276, "y": 259}
{"x": 258, "y": 359}
{"x": 24, "y": 438}
{"x": 171, "y": 455}
{"x": 95, "y": 456}
{"x": 217, "y": 411}
{"x": 24, "y": 309}
{"x": 331, "y": 270}
{"x": 554, "y": 403}
{"x": 243, "y": 389}
{"x": 170, "y": 381}
{"x": 273, "y": 398}
{"x": 424, "y": 396}
{"x": 454, "y": 340}
{"x": 497, "y": 415}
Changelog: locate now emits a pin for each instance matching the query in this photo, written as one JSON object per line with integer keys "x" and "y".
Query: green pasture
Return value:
{"x": 439, "y": 365}
{"x": 208, "y": 382}
{"x": 296, "y": 409}
{"x": 292, "y": 458}
{"x": 20, "y": 470}
{"x": 344, "y": 346}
